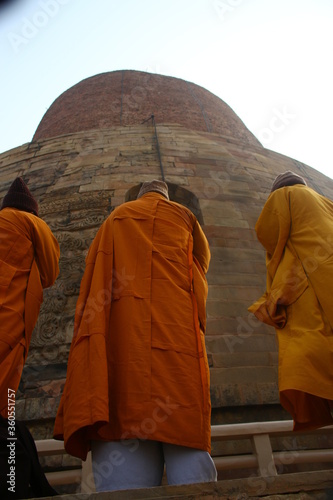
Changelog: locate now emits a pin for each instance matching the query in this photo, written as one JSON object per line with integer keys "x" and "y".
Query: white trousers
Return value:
{"x": 128, "y": 464}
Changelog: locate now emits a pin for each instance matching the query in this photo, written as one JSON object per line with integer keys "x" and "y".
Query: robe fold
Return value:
{"x": 137, "y": 367}
{"x": 296, "y": 229}
{"x": 29, "y": 256}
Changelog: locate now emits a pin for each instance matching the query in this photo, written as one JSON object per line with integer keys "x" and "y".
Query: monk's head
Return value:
{"x": 19, "y": 196}
{"x": 288, "y": 178}
{"x": 154, "y": 186}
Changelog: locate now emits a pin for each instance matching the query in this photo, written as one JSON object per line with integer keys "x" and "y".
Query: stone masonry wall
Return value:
{"x": 79, "y": 178}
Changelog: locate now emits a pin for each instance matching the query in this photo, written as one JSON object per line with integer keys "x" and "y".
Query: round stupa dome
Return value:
{"x": 127, "y": 97}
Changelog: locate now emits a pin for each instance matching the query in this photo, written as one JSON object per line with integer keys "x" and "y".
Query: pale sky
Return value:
{"x": 269, "y": 60}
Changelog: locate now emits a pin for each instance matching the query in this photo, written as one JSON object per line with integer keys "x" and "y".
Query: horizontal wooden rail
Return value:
{"x": 280, "y": 458}
{"x": 63, "y": 477}
{"x": 48, "y": 447}
{"x": 247, "y": 430}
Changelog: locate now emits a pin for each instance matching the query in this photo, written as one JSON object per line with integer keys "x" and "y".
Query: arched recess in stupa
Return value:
{"x": 91, "y": 151}
{"x": 177, "y": 194}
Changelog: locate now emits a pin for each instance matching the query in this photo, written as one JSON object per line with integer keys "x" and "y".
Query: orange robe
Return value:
{"x": 137, "y": 366}
{"x": 29, "y": 255}
{"x": 296, "y": 229}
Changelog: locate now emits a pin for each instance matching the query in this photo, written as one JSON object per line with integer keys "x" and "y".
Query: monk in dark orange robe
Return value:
{"x": 296, "y": 229}
{"x": 137, "y": 368}
{"x": 29, "y": 256}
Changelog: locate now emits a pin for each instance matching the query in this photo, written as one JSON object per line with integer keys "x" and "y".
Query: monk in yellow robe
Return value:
{"x": 29, "y": 256}
{"x": 137, "y": 382}
{"x": 296, "y": 229}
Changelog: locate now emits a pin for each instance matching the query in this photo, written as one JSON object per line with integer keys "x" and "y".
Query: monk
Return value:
{"x": 137, "y": 387}
{"x": 29, "y": 256}
{"x": 296, "y": 229}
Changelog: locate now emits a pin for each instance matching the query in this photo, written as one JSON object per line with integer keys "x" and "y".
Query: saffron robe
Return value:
{"x": 137, "y": 367}
{"x": 296, "y": 229}
{"x": 29, "y": 256}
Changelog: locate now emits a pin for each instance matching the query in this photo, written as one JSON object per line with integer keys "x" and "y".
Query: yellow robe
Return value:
{"x": 137, "y": 366}
{"x": 296, "y": 229}
{"x": 29, "y": 256}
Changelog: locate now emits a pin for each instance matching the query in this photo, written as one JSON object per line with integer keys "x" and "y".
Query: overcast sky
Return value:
{"x": 270, "y": 60}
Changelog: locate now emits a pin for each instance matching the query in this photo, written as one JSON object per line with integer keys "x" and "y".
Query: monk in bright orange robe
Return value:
{"x": 137, "y": 367}
{"x": 29, "y": 256}
{"x": 296, "y": 229}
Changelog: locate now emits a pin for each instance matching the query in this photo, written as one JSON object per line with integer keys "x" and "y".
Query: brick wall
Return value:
{"x": 130, "y": 97}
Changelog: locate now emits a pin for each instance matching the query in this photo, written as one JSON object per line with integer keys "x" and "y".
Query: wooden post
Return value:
{"x": 264, "y": 453}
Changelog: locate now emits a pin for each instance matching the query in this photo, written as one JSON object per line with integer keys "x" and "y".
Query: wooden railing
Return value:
{"x": 48, "y": 447}
{"x": 262, "y": 458}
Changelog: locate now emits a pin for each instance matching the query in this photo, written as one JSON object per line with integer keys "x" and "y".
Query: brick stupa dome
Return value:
{"x": 122, "y": 98}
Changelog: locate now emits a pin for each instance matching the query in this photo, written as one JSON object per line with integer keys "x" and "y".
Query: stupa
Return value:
{"x": 94, "y": 146}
